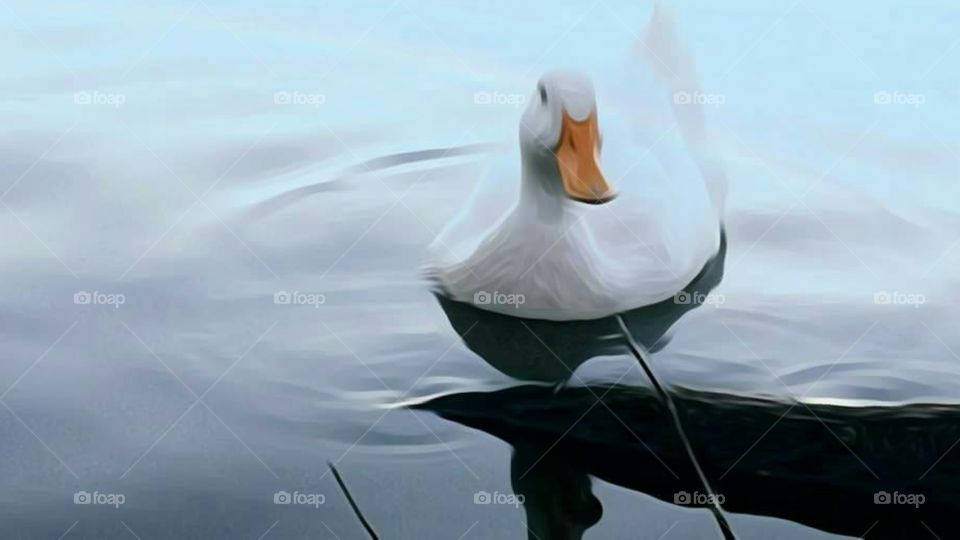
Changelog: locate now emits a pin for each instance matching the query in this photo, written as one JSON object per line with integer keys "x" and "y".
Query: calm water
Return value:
{"x": 146, "y": 359}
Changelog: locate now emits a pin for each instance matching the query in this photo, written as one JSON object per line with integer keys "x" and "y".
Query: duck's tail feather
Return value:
{"x": 669, "y": 58}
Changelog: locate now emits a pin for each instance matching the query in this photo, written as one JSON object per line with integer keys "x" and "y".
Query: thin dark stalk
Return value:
{"x": 668, "y": 403}
{"x": 353, "y": 503}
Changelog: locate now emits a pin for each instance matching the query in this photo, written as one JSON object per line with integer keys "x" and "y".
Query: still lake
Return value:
{"x": 214, "y": 216}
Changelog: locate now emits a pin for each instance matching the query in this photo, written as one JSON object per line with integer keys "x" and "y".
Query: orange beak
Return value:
{"x": 578, "y": 156}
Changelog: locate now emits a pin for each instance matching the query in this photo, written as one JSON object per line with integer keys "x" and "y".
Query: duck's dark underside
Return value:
{"x": 818, "y": 465}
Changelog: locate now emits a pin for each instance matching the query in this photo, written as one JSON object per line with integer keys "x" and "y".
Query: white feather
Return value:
{"x": 518, "y": 235}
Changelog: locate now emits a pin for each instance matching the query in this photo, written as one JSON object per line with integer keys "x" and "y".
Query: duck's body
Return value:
{"x": 524, "y": 247}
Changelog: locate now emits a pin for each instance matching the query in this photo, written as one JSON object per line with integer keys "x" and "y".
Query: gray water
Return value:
{"x": 143, "y": 153}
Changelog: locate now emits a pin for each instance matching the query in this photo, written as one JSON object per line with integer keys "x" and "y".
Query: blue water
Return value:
{"x": 141, "y": 142}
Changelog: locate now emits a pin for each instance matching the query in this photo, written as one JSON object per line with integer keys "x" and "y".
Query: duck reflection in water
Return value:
{"x": 832, "y": 467}
{"x": 550, "y": 351}
{"x": 558, "y": 499}
{"x": 874, "y": 472}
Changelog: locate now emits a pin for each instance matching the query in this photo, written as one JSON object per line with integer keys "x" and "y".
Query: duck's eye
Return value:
{"x": 543, "y": 94}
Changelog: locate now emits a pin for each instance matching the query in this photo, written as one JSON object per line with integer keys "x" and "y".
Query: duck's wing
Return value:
{"x": 491, "y": 201}
{"x": 665, "y": 225}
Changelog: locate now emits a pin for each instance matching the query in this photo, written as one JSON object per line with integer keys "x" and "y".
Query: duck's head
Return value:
{"x": 560, "y": 135}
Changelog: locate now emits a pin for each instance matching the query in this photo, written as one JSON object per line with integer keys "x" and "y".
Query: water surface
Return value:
{"x": 143, "y": 153}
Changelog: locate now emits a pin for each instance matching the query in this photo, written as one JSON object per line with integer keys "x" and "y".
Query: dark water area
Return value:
{"x": 825, "y": 467}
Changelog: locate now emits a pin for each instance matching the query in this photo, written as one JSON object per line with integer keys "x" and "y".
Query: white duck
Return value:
{"x": 566, "y": 243}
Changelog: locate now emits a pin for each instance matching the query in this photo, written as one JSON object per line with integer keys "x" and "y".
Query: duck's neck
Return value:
{"x": 541, "y": 195}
